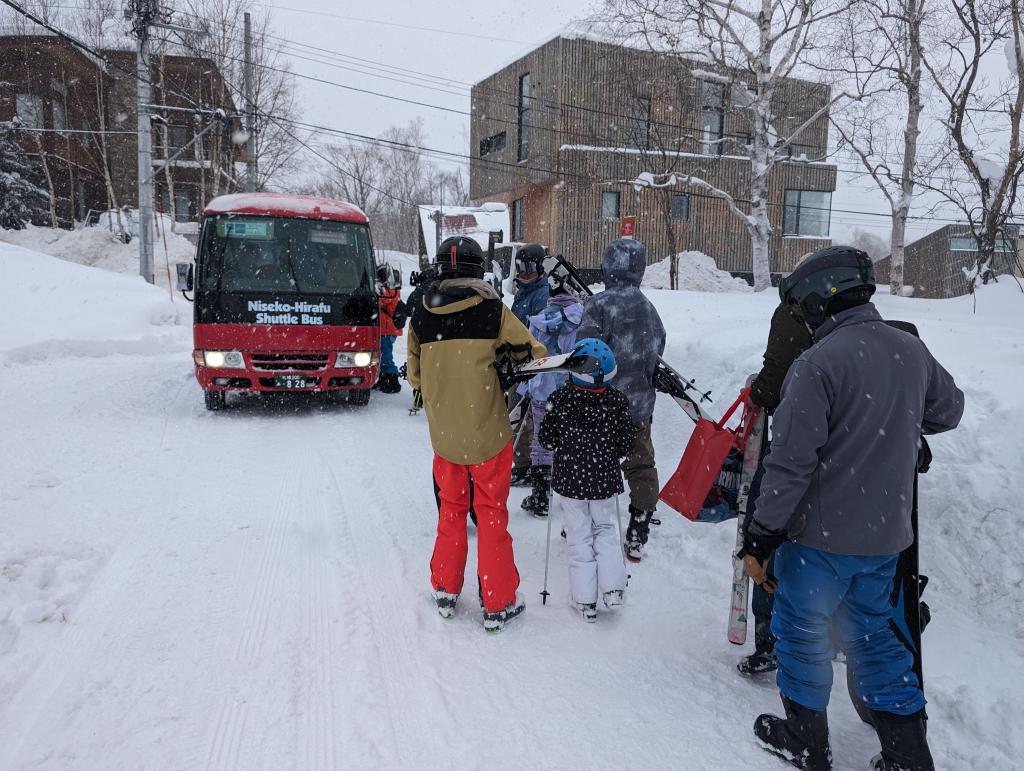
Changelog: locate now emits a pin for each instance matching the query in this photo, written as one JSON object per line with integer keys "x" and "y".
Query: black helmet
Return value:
{"x": 460, "y": 256}
{"x": 530, "y": 259}
{"x": 828, "y": 281}
{"x": 384, "y": 273}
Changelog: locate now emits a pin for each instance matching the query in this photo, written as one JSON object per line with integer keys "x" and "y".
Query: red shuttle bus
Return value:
{"x": 285, "y": 298}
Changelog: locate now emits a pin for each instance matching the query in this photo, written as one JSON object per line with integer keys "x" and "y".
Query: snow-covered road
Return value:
{"x": 248, "y": 589}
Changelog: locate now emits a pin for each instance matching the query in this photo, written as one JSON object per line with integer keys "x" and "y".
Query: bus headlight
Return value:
{"x": 350, "y": 359}
{"x": 224, "y": 359}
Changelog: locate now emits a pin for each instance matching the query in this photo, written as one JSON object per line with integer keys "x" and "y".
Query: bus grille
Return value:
{"x": 292, "y": 361}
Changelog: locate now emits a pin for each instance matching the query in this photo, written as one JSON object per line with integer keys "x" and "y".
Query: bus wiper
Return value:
{"x": 291, "y": 268}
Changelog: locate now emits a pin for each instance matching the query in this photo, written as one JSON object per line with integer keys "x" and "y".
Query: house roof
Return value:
{"x": 476, "y": 222}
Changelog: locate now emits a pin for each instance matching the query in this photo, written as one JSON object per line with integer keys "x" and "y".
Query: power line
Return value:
{"x": 397, "y": 25}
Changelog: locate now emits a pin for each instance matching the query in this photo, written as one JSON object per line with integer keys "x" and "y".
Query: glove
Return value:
{"x": 759, "y": 543}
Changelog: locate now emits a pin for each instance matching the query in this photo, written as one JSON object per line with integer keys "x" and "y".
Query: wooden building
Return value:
{"x": 79, "y": 117}
{"x": 559, "y": 135}
{"x": 933, "y": 266}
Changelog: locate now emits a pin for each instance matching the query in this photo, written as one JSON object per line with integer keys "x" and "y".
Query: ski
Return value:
{"x": 666, "y": 379}
{"x": 751, "y": 459}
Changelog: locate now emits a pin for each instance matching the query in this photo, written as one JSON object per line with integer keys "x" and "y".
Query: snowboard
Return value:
{"x": 756, "y": 445}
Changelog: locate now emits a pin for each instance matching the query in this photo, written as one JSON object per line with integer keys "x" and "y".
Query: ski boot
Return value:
{"x": 388, "y": 384}
{"x": 614, "y": 599}
{"x": 445, "y": 603}
{"x": 801, "y": 739}
{"x": 521, "y": 476}
{"x": 904, "y": 742}
{"x": 757, "y": 663}
{"x": 637, "y": 533}
{"x": 537, "y": 502}
{"x": 588, "y": 610}
{"x": 495, "y": 620}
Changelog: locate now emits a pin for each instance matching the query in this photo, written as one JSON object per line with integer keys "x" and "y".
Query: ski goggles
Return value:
{"x": 527, "y": 265}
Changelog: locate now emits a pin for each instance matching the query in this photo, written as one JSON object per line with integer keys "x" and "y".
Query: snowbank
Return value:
{"x": 82, "y": 310}
{"x": 697, "y": 272}
{"x": 97, "y": 247}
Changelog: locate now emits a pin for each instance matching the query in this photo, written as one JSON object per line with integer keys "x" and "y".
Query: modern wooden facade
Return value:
{"x": 558, "y": 133}
{"x": 934, "y": 265}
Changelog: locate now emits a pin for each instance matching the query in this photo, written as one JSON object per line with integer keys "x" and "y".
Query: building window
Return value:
{"x": 29, "y": 108}
{"x": 804, "y": 152}
{"x": 712, "y": 118}
{"x": 968, "y": 244}
{"x": 680, "y": 208}
{"x": 807, "y": 213}
{"x": 640, "y": 123}
{"x": 492, "y": 144}
{"x": 517, "y": 219}
{"x": 523, "y": 122}
{"x": 610, "y": 205}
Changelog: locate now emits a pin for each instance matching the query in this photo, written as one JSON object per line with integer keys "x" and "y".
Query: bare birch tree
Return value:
{"x": 880, "y": 52}
{"x": 983, "y": 122}
{"x": 753, "y": 47}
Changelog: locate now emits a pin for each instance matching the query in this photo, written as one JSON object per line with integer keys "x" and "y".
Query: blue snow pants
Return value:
{"x": 387, "y": 356}
{"x": 849, "y": 593}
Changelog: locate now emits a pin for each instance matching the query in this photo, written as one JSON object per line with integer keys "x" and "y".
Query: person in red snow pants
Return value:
{"x": 496, "y": 565}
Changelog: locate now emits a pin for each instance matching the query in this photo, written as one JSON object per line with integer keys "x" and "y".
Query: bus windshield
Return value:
{"x": 285, "y": 255}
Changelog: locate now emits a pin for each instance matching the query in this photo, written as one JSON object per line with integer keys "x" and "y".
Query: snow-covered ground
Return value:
{"x": 248, "y": 589}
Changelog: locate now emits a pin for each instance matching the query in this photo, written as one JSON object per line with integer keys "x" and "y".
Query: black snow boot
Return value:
{"x": 904, "y": 742}
{"x": 389, "y": 384}
{"x": 757, "y": 663}
{"x": 637, "y": 533}
{"x": 445, "y": 602}
{"x": 801, "y": 739}
{"x": 521, "y": 476}
{"x": 537, "y": 502}
{"x": 495, "y": 620}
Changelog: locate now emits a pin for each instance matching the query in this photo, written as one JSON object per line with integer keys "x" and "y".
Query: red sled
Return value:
{"x": 710, "y": 445}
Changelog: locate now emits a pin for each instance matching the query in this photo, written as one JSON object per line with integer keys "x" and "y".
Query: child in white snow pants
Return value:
{"x": 589, "y": 430}
{"x": 595, "y": 551}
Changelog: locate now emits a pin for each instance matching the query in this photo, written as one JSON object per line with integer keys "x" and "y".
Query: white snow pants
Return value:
{"x": 595, "y": 552}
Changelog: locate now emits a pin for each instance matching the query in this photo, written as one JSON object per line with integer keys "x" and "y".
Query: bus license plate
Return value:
{"x": 292, "y": 381}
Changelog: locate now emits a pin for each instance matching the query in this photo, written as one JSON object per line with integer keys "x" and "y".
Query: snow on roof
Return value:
{"x": 473, "y": 221}
{"x": 284, "y": 205}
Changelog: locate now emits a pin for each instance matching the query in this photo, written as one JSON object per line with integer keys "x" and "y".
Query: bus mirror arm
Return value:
{"x": 186, "y": 278}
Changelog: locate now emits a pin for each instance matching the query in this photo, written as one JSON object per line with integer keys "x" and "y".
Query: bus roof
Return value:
{"x": 285, "y": 205}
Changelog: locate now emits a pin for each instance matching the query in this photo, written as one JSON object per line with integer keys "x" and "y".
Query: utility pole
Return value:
{"x": 145, "y": 12}
{"x": 250, "y": 111}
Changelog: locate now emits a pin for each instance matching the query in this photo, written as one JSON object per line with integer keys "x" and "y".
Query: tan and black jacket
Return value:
{"x": 453, "y": 340}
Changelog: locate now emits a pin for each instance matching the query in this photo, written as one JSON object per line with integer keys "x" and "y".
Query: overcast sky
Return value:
{"x": 464, "y": 41}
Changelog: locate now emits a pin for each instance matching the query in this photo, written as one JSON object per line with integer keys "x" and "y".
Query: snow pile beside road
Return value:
{"x": 81, "y": 310}
{"x": 697, "y": 273}
{"x": 97, "y": 247}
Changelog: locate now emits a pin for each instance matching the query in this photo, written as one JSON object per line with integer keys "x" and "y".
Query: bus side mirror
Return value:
{"x": 186, "y": 276}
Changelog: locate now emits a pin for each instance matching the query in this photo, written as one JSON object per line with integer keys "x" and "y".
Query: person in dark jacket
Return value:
{"x": 589, "y": 429}
{"x": 531, "y": 298}
{"x": 787, "y": 339}
{"x": 625, "y": 319}
{"x": 835, "y": 509}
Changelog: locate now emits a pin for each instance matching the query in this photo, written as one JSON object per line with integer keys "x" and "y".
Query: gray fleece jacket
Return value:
{"x": 840, "y": 473}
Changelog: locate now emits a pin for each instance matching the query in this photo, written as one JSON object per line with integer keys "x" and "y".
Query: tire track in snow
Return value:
{"x": 400, "y": 657}
{"x": 226, "y": 742}
{"x": 321, "y": 750}
{"x": 257, "y": 618}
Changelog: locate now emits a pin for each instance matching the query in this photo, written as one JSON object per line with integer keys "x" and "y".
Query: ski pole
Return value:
{"x": 622, "y": 538}
{"x": 547, "y": 559}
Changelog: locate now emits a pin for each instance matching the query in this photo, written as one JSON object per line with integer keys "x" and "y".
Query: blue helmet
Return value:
{"x": 605, "y": 368}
